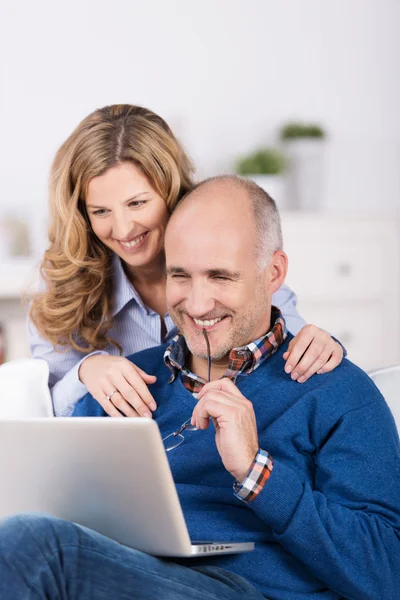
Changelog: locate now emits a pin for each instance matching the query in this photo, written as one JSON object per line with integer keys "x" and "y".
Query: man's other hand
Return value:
{"x": 234, "y": 421}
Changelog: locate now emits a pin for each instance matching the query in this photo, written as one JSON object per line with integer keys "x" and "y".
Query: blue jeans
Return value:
{"x": 48, "y": 558}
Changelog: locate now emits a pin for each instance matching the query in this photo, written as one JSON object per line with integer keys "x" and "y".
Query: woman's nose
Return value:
{"x": 122, "y": 228}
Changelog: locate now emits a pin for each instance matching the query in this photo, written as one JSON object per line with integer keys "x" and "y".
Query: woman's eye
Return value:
{"x": 100, "y": 212}
{"x": 136, "y": 203}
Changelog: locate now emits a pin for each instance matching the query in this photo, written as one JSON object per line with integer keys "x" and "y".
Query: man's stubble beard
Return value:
{"x": 239, "y": 336}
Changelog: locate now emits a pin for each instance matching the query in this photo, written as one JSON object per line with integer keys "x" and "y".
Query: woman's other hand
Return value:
{"x": 313, "y": 350}
{"x": 118, "y": 385}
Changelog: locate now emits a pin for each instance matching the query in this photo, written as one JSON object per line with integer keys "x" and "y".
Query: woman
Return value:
{"x": 113, "y": 184}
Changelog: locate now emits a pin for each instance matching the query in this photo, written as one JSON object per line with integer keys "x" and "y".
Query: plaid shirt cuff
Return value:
{"x": 256, "y": 478}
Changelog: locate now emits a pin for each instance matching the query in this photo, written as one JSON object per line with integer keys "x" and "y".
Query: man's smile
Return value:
{"x": 208, "y": 324}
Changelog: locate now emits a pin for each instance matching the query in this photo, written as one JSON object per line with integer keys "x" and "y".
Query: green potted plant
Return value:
{"x": 304, "y": 145}
{"x": 265, "y": 167}
{"x": 295, "y": 131}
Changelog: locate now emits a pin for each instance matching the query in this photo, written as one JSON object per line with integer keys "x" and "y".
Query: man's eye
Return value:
{"x": 179, "y": 276}
{"x": 221, "y": 278}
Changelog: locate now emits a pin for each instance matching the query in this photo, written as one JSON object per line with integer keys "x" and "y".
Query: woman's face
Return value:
{"x": 127, "y": 214}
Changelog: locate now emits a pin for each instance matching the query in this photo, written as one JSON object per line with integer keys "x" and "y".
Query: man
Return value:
{"x": 309, "y": 473}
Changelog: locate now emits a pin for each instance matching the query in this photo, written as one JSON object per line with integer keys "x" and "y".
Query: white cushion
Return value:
{"x": 24, "y": 391}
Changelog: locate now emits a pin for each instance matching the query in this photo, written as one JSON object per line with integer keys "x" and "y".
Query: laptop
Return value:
{"x": 111, "y": 475}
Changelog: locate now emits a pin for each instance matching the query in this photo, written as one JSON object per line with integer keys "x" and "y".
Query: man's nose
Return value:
{"x": 199, "y": 301}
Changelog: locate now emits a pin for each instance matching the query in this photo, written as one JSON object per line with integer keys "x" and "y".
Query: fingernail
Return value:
{"x": 320, "y": 372}
{"x": 294, "y": 376}
{"x": 301, "y": 379}
{"x": 288, "y": 369}
{"x": 153, "y": 406}
{"x": 148, "y": 414}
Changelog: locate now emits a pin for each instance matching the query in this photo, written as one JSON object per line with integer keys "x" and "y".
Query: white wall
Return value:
{"x": 225, "y": 73}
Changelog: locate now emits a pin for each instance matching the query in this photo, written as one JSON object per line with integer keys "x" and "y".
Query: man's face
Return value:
{"x": 213, "y": 281}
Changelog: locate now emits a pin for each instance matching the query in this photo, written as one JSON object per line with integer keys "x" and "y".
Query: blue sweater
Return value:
{"x": 327, "y": 523}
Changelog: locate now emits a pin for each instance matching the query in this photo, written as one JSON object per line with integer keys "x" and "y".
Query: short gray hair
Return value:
{"x": 266, "y": 215}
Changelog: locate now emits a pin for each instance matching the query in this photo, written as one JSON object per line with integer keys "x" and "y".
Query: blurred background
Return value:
{"x": 305, "y": 93}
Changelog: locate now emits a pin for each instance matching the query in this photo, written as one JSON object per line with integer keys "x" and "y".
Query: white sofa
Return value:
{"x": 24, "y": 392}
{"x": 388, "y": 382}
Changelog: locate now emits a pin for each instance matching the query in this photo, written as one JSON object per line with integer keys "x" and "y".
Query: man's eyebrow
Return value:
{"x": 173, "y": 270}
{"x": 131, "y": 199}
{"x": 235, "y": 275}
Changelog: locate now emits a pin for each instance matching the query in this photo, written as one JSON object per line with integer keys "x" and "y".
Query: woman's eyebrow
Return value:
{"x": 135, "y": 197}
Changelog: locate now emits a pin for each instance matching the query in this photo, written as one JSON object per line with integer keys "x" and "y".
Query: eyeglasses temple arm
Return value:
{"x": 208, "y": 354}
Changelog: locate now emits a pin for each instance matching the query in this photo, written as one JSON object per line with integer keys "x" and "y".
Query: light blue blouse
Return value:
{"x": 136, "y": 327}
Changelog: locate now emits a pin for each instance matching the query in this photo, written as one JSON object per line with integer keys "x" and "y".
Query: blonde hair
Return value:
{"x": 75, "y": 310}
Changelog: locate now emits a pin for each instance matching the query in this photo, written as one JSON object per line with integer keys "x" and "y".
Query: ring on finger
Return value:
{"x": 109, "y": 396}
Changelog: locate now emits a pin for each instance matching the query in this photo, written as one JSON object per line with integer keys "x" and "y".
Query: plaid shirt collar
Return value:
{"x": 242, "y": 361}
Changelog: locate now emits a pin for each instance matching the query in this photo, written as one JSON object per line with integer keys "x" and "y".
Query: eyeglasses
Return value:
{"x": 175, "y": 439}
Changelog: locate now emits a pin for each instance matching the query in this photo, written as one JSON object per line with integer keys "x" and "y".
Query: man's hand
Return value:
{"x": 313, "y": 350}
{"x": 235, "y": 424}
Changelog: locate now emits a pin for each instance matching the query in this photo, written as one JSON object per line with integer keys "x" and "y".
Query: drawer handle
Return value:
{"x": 344, "y": 269}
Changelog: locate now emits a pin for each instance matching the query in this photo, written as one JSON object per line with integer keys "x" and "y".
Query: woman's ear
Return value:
{"x": 276, "y": 271}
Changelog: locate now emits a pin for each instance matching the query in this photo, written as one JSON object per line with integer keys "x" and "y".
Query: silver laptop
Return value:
{"x": 111, "y": 475}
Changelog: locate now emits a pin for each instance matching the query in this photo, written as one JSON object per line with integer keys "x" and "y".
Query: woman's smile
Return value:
{"x": 135, "y": 244}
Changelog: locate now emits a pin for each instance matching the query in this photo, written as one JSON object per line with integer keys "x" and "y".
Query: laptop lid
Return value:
{"x": 111, "y": 475}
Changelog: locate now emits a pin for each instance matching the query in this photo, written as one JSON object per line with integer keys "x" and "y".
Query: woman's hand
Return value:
{"x": 118, "y": 385}
{"x": 313, "y": 350}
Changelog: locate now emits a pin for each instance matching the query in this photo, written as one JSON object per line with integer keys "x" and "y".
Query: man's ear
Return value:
{"x": 276, "y": 271}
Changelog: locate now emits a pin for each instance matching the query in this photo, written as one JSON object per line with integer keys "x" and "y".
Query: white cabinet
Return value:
{"x": 345, "y": 272}
{"x": 17, "y": 278}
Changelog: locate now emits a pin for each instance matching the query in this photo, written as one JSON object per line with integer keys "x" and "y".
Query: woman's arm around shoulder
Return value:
{"x": 312, "y": 350}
